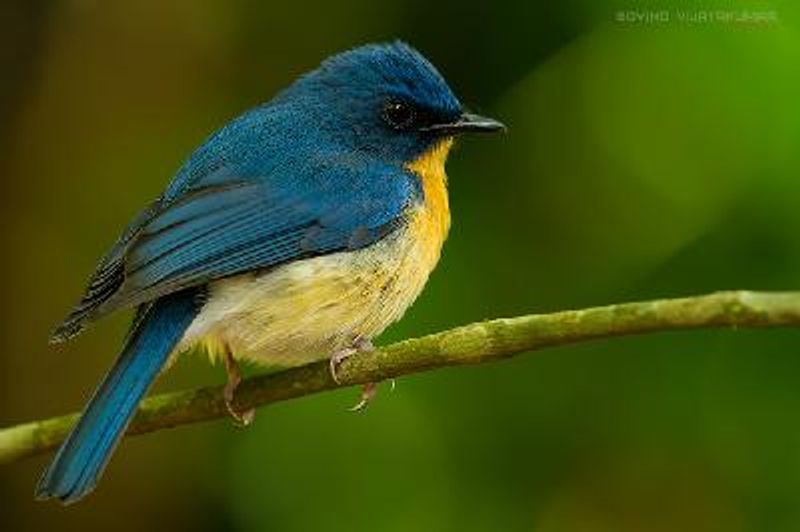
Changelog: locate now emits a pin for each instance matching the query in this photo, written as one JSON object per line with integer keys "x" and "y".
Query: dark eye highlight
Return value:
{"x": 399, "y": 115}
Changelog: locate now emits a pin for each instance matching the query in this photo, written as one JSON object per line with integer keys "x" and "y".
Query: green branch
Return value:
{"x": 471, "y": 344}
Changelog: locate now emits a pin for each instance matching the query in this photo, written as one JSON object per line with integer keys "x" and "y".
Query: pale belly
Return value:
{"x": 304, "y": 311}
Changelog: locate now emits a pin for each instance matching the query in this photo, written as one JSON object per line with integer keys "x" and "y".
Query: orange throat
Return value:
{"x": 434, "y": 220}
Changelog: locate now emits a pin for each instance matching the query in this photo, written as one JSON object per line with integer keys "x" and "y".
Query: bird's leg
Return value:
{"x": 234, "y": 379}
{"x": 369, "y": 389}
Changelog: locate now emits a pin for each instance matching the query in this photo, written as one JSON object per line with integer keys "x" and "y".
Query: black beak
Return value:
{"x": 467, "y": 123}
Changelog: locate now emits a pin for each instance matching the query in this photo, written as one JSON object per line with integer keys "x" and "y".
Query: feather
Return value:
{"x": 223, "y": 225}
{"x": 82, "y": 457}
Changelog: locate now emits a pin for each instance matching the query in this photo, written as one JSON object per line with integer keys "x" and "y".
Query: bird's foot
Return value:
{"x": 242, "y": 419}
{"x": 369, "y": 389}
{"x": 339, "y": 356}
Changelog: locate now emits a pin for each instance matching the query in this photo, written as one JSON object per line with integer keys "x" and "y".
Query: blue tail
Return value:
{"x": 82, "y": 457}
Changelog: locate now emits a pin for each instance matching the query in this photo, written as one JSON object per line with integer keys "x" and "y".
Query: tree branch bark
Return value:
{"x": 471, "y": 344}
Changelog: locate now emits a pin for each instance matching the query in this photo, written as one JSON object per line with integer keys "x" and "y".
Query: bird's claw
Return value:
{"x": 241, "y": 419}
{"x": 368, "y": 392}
{"x": 337, "y": 358}
{"x": 340, "y": 355}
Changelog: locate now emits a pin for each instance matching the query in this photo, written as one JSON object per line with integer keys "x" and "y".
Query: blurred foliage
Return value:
{"x": 644, "y": 159}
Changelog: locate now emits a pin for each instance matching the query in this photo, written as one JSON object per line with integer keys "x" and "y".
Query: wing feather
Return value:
{"x": 224, "y": 225}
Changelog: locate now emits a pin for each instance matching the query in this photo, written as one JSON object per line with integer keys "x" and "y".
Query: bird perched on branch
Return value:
{"x": 297, "y": 232}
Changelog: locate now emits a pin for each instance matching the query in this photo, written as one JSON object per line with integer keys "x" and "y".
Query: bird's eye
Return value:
{"x": 399, "y": 115}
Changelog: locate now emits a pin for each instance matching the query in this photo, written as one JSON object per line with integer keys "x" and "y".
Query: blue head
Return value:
{"x": 383, "y": 100}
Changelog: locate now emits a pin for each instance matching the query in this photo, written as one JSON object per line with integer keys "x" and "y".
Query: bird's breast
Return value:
{"x": 302, "y": 311}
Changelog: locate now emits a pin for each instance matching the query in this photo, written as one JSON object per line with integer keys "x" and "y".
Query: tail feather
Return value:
{"x": 82, "y": 457}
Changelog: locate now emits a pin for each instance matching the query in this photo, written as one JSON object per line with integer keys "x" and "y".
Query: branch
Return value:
{"x": 471, "y": 344}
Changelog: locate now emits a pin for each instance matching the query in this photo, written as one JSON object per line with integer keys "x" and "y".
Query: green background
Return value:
{"x": 644, "y": 159}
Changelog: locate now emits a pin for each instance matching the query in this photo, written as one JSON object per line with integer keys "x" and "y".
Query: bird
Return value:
{"x": 296, "y": 233}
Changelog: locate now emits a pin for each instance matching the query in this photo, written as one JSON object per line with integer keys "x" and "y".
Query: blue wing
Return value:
{"x": 245, "y": 217}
